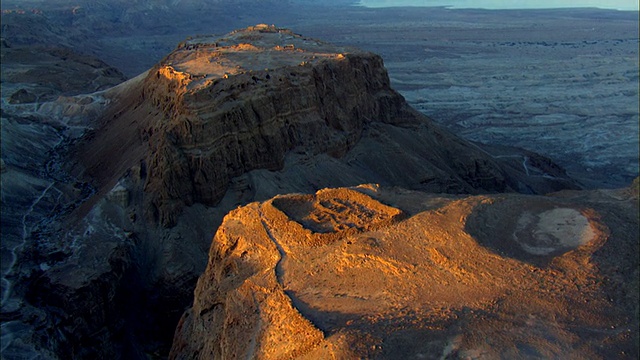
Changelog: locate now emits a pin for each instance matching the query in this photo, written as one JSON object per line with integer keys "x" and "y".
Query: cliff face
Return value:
{"x": 243, "y": 295}
{"x": 221, "y": 122}
{"x": 339, "y": 274}
{"x": 217, "y": 129}
{"x": 215, "y": 109}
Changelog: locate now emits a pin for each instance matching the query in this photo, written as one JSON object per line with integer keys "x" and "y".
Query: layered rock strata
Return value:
{"x": 218, "y": 123}
{"x": 217, "y": 108}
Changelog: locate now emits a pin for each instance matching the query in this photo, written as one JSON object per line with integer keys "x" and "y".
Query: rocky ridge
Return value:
{"x": 215, "y": 109}
{"x": 165, "y": 155}
{"x": 38, "y": 74}
{"x": 43, "y": 114}
{"x": 343, "y": 274}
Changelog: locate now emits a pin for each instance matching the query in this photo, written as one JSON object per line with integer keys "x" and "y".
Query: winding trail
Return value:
{"x": 524, "y": 164}
{"x": 26, "y": 233}
{"x": 525, "y": 159}
{"x": 283, "y": 255}
{"x": 302, "y": 308}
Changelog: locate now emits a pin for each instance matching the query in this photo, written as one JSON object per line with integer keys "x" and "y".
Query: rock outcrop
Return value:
{"x": 108, "y": 244}
{"x": 217, "y": 108}
{"x": 58, "y": 279}
{"x": 339, "y": 274}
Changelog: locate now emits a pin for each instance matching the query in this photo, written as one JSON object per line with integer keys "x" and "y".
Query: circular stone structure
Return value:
{"x": 532, "y": 229}
{"x": 552, "y": 230}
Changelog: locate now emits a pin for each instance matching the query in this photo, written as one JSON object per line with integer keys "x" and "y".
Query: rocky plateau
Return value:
{"x": 215, "y": 109}
{"x": 388, "y": 273}
{"x": 111, "y": 196}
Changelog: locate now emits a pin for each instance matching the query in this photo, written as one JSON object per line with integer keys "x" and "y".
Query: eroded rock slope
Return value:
{"x": 217, "y": 108}
{"x": 108, "y": 251}
{"x": 372, "y": 272}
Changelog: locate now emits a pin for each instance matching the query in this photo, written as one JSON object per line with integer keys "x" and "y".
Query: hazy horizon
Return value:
{"x": 503, "y": 4}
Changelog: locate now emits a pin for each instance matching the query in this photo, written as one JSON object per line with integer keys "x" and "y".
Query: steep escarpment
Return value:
{"x": 339, "y": 274}
{"x": 222, "y": 122}
{"x": 214, "y": 130}
{"x": 217, "y": 108}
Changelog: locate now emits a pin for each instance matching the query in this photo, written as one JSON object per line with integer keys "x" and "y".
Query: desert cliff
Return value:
{"x": 145, "y": 171}
{"x": 218, "y": 108}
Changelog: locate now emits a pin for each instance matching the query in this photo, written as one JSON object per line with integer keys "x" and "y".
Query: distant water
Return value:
{"x": 508, "y": 4}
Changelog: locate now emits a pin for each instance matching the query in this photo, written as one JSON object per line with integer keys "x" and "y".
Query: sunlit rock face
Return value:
{"x": 339, "y": 274}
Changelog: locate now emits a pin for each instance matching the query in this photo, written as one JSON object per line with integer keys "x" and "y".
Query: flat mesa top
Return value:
{"x": 255, "y": 48}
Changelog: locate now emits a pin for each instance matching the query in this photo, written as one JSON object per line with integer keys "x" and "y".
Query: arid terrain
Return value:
{"x": 563, "y": 82}
{"x": 340, "y": 274}
{"x": 113, "y": 190}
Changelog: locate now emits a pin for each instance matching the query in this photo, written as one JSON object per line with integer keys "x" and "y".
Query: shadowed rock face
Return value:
{"x": 51, "y": 288}
{"x": 226, "y": 114}
{"x": 218, "y": 123}
{"x": 217, "y": 108}
{"x": 42, "y": 73}
{"x": 424, "y": 278}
